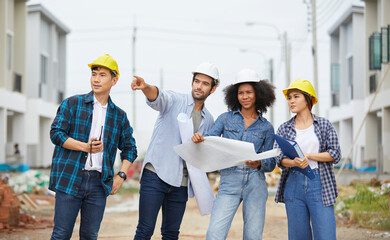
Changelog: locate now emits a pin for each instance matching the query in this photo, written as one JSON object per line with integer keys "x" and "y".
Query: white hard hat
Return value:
{"x": 209, "y": 69}
{"x": 246, "y": 75}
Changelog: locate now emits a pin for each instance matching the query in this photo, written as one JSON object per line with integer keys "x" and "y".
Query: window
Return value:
{"x": 44, "y": 76}
{"x": 375, "y": 51}
{"x": 17, "y": 82}
{"x": 350, "y": 77}
{"x": 9, "y": 52}
{"x": 43, "y": 69}
{"x": 372, "y": 83}
{"x": 60, "y": 97}
{"x": 335, "y": 84}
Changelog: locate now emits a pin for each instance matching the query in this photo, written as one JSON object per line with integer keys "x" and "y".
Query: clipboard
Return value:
{"x": 291, "y": 149}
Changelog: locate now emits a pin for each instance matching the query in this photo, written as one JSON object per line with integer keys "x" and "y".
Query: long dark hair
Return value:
{"x": 264, "y": 92}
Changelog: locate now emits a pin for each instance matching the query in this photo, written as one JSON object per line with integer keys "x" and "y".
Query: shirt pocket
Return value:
{"x": 258, "y": 138}
{"x": 231, "y": 133}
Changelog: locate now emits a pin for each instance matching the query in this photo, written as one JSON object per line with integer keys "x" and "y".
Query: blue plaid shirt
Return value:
{"x": 74, "y": 119}
{"x": 328, "y": 140}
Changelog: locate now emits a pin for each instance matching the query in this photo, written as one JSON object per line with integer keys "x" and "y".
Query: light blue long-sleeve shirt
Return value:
{"x": 166, "y": 134}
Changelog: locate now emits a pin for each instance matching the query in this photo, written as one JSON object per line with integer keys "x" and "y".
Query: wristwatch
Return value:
{"x": 122, "y": 175}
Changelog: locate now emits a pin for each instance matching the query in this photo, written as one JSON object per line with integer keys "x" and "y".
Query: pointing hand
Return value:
{"x": 138, "y": 83}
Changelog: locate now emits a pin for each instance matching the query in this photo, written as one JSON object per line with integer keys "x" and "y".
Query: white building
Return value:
{"x": 357, "y": 67}
{"x": 33, "y": 80}
{"x": 13, "y": 84}
{"x": 46, "y": 57}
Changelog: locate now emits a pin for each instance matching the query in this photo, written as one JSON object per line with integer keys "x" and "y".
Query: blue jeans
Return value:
{"x": 156, "y": 194}
{"x": 303, "y": 202}
{"x": 91, "y": 201}
{"x": 239, "y": 184}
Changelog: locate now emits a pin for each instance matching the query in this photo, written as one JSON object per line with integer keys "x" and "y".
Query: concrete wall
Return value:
{"x": 371, "y": 23}
{"x": 3, "y": 43}
{"x": 358, "y": 56}
{"x": 371, "y": 137}
{"x": 19, "y": 47}
{"x": 3, "y": 129}
{"x": 386, "y": 140}
{"x": 343, "y": 64}
{"x": 40, "y": 114}
{"x": 345, "y": 138}
{"x": 33, "y": 67}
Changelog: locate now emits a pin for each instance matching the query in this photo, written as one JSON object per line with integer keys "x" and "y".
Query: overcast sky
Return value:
{"x": 174, "y": 36}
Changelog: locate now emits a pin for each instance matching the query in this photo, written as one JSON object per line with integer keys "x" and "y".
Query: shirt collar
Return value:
{"x": 291, "y": 122}
{"x": 260, "y": 116}
{"x": 191, "y": 102}
{"x": 91, "y": 99}
{"x": 95, "y": 101}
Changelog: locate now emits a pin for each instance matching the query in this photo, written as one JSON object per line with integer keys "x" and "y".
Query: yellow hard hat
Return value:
{"x": 304, "y": 86}
{"x": 106, "y": 61}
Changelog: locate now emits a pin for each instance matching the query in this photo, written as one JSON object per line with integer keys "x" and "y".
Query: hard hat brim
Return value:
{"x": 205, "y": 74}
{"x": 246, "y": 81}
{"x": 98, "y": 65}
{"x": 285, "y": 92}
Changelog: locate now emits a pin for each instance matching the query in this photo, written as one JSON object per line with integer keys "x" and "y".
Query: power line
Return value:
{"x": 186, "y": 32}
{"x": 329, "y": 7}
{"x": 179, "y": 32}
{"x": 322, "y": 20}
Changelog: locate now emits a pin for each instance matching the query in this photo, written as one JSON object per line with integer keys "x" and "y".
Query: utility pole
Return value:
{"x": 271, "y": 79}
{"x": 161, "y": 79}
{"x": 287, "y": 65}
{"x": 315, "y": 62}
{"x": 133, "y": 72}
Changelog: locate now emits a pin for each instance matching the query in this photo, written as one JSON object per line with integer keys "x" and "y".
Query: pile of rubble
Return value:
{"x": 30, "y": 181}
{"x": 11, "y": 206}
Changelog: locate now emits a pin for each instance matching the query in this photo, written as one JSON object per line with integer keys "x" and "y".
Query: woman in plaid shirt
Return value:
{"x": 308, "y": 201}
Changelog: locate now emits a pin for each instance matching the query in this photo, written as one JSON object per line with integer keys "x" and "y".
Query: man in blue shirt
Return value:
{"x": 87, "y": 131}
{"x": 164, "y": 178}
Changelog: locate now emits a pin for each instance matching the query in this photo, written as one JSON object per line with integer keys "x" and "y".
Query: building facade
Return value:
{"x": 359, "y": 112}
{"x": 13, "y": 78}
{"x": 46, "y": 57}
{"x": 32, "y": 80}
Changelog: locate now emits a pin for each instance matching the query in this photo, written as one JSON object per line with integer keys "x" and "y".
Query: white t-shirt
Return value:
{"x": 308, "y": 141}
{"x": 97, "y": 130}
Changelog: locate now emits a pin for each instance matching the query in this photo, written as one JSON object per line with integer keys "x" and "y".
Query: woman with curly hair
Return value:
{"x": 247, "y": 100}
{"x": 309, "y": 202}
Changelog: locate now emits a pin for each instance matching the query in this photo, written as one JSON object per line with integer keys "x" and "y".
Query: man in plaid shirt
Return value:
{"x": 87, "y": 131}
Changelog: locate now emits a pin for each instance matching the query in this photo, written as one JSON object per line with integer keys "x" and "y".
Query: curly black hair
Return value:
{"x": 264, "y": 92}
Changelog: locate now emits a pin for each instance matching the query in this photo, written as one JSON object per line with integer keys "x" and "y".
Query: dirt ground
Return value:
{"x": 121, "y": 218}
